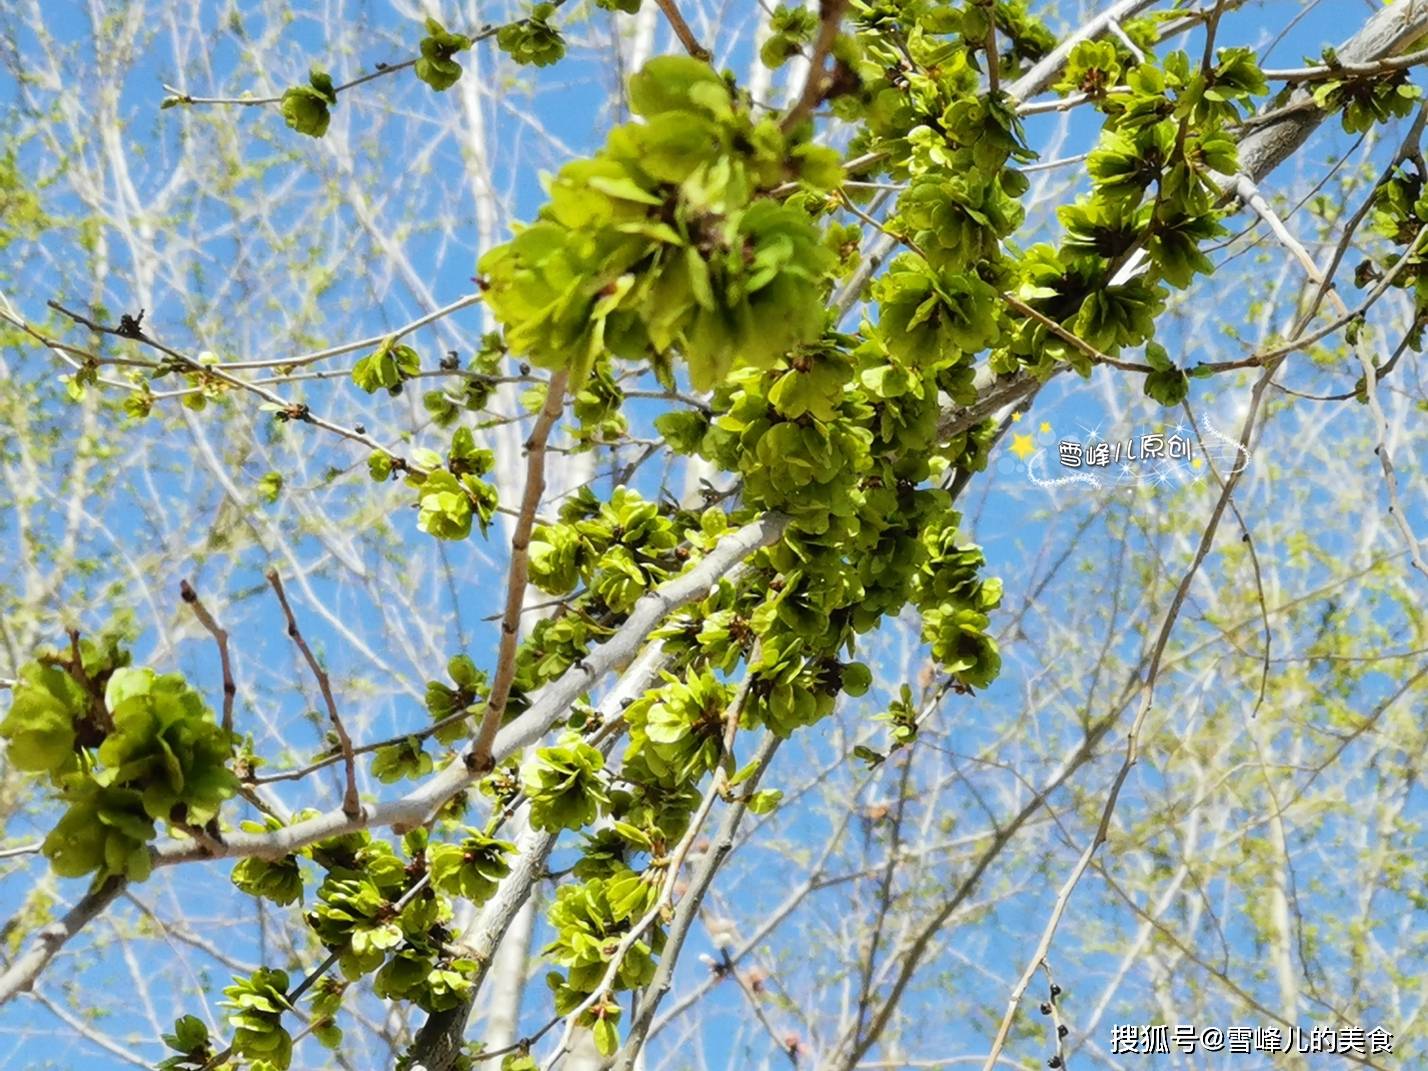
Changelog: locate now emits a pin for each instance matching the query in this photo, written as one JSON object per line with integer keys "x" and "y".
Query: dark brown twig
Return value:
{"x": 283, "y": 408}
{"x": 479, "y": 757}
{"x": 682, "y": 31}
{"x": 819, "y": 80}
{"x": 351, "y": 806}
{"x": 177, "y": 96}
{"x": 220, "y": 637}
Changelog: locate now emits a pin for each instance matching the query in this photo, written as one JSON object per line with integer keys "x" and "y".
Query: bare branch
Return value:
{"x": 551, "y": 705}
{"x": 681, "y": 29}
{"x": 479, "y": 757}
{"x": 819, "y": 81}
{"x": 351, "y": 805}
{"x": 1132, "y": 752}
{"x": 220, "y": 637}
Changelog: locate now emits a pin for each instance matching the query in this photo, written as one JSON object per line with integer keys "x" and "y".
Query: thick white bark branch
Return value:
{"x": 550, "y": 706}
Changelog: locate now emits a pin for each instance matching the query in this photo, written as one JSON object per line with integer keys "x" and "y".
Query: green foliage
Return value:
{"x": 354, "y": 914}
{"x": 190, "y": 1040}
{"x": 306, "y": 107}
{"x": 765, "y": 801}
{"x": 405, "y": 758}
{"x": 1092, "y": 68}
{"x": 326, "y": 1000}
{"x": 40, "y": 729}
{"x": 389, "y": 366}
{"x": 1167, "y": 384}
{"x": 660, "y": 243}
{"x": 270, "y": 486}
{"x": 436, "y": 67}
{"x": 471, "y": 869}
{"x": 165, "y": 744}
{"x": 258, "y": 1003}
{"x": 588, "y": 921}
{"x": 104, "y": 829}
{"x": 790, "y": 32}
{"x": 278, "y": 880}
{"x": 565, "y": 785}
{"x": 955, "y": 602}
{"x": 676, "y": 731}
{"x": 1363, "y": 103}
{"x": 533, "y": 39}
{"x": 618, "y": 553}
{"x": 124, "y": 749}
{"x": 901, "y": 717}
{"x": 449, "y": 499}
{"x": 443, "y": 702}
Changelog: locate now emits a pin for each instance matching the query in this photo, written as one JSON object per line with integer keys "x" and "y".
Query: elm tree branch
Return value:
{"x": 717, "y": 789}
{"x": 1132, "y": 752}
{"x": 351, "y": 805}
{"x": 1349, "y": 71}
{"x": 681, "y": 29}
{"x": 550, "y": 705}
{"x": 177, "y": 96}
{"x": 1250, "y": 194}
{"x": 285, "y": 408}
{"x": 688, "y": 906}
{"x": 820, "y": 80}
{"x": 438, "y": 1042}
{"x": 220, "y": 638}
{"x": 479, "y": 757}
{"x": 361, "y": 344}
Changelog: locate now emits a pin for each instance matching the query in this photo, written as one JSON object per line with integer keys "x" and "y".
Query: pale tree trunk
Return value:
{"x": 508, "y": 972}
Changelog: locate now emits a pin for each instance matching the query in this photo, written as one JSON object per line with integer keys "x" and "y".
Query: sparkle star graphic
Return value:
{"x": 1045, "y": 428}
{"x": 1023, "y": 446}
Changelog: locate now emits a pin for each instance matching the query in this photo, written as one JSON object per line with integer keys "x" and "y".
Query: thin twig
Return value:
{"x": 1132, "y": 751}
{"x": 819, "y": 80}
{"x": 479, "y": 758}
{"x": 682, "y": 31}
{"x": 1349, "y": 71}
{"x": 351, "y": 805}
{"x": 220, "y": 637}
{"x": 285, "y": 409}
{"x": 1250, "y": 194}
{"x": 1053, "y": 1009}
{"x": 176, "y": 96}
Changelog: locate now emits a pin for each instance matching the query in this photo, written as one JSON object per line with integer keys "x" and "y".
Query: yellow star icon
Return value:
{"x": 1023, "y": 446}
{"x": 1016, "y": 417}
{"x": 1045, "y": 428}
{"x": 1197, "y": 463}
